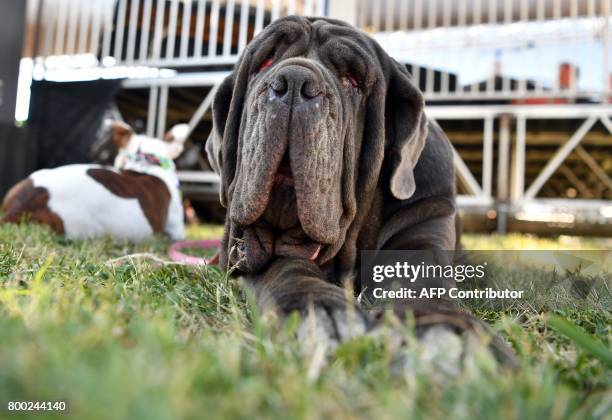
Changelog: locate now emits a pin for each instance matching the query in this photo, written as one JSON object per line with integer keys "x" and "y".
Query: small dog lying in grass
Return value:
{"x": 136, "y": 198}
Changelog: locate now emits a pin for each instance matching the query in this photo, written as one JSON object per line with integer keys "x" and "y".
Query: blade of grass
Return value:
{"x": 582, "y": 339}
{"x": 40, "y": 274}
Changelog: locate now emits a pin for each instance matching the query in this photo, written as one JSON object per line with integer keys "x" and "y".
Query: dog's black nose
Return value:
{"x": 295, "y": 84}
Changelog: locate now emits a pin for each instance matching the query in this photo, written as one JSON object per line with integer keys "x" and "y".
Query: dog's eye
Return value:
{"x": 349, "y": 79}
{"x": 265, "y": 65}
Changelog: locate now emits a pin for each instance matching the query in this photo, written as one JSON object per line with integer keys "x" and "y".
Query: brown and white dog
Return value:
{"x": 136, "y": 198}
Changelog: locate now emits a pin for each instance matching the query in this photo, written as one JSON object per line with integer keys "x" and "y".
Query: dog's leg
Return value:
{"x": 328, "y": 315}
{"x": 26, "y": 202}
{"x": 175, "y": 225}
{"x": 438, "y": 322}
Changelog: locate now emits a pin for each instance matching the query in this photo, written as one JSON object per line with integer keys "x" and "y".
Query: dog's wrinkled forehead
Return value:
{"x": 340, "y": 48}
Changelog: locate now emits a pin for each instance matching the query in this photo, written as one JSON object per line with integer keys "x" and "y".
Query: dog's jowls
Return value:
{"x": 324, "y": 150}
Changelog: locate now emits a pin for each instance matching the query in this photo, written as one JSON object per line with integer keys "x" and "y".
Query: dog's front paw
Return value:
{"x": 446, "y": 341}
{"x": 435, "y": 328}
{"x": 323, "y": 325}
{"x": 442, "y": 351}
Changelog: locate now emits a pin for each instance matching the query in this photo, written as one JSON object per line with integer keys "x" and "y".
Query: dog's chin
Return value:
{"x": 278, "y": 232}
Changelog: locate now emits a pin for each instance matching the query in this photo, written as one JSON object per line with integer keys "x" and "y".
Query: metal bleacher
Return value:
{"x": 522, "y": 87}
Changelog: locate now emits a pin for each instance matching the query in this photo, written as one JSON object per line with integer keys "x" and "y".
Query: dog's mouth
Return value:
{"x": 279, "y": 230}
{"x": 284, "y": 175}
{"x": 282, "y": 217}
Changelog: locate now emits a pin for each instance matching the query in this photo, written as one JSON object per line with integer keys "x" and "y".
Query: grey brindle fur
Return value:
{"x": 322, "y": 154}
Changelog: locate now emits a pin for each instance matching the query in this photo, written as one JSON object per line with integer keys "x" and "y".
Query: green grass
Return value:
{"x": 140, "y": 340}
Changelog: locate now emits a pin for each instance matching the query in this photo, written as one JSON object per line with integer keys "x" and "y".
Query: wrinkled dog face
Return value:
{"x": 292, "y": 118}
{"x": 304, "y": 99}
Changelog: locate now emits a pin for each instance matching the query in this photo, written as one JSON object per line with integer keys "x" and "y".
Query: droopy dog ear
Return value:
{"x": 406, "y": 129}
{"x": 121, "y": 133}
{"x": 175, "y": 140}
{"x": 222, "y": 145}
{"x": 220, "y": 109}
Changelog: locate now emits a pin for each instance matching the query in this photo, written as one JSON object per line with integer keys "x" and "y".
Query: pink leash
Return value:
{"x": 175, "y": 254}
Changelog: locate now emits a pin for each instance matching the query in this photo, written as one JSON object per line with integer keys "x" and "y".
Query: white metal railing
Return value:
{"x": 526, "y": 51}
{"x": 516, "y": 191}
{"x": 158, "y": 33}
{"x": 521, "y": 51}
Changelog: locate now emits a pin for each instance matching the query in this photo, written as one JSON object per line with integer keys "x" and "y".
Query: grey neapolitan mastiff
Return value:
{"x": 323, "y": 151}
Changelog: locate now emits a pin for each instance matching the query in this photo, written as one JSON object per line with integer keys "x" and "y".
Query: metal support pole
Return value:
{"x": 487, "y": 157}
{"x": 559, "y": 157}
{"x": 119, "y": 30}
{"x": 592, "y": 163}
{"x": 152, "y": 111}
{"x": 518, "y": 170}
{"x": 605, "y": 120}
{"x": 466, "y": 177}
{"x": 504, "y": 152}
{"x": 463, "y": 173}
{"x": 345, "y": 10}
{"x": 606, "y": 45}
{"x": 161, "y": 112}
{"x": 204, "y": 106}
{"x": 502, "y": 174}
{"x": 502, "y": 218}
